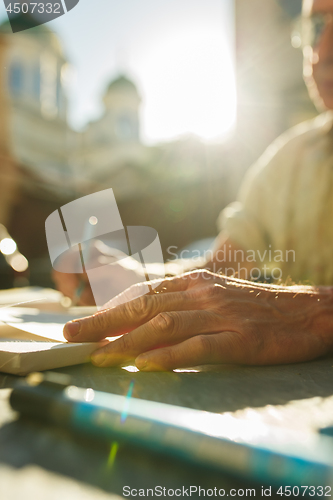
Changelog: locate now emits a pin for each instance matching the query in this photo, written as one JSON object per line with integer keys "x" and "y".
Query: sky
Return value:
{"x": 178, "y": 52}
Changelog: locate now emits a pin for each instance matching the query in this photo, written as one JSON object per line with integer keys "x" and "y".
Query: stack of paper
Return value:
{"x": 32, "y": 339}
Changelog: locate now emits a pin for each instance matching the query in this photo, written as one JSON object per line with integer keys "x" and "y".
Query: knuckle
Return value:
{"x": 202, "y": 344}
{"x": 169, "y": 358}
{"x": 164, "y": 322}
{"x": 100, "y": 320}
{"x": 204, "y": 275}
{"x": 140, "y": 307}
{"x": 213, "y": 292}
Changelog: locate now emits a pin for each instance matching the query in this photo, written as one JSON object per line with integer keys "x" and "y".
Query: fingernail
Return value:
{"x": 73, "y": 328}
{"x": 98, "y": 358}
{"x": 142, "y": 362}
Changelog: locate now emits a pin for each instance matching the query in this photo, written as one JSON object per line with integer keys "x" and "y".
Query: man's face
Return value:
{"x": 318, "y": 59}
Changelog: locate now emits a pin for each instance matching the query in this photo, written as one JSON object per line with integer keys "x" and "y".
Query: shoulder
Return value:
{"x": 304, "y": 134}
{"x": 280, "y": 157}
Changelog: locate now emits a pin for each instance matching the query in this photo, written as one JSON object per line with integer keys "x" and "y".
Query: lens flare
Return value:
{"x": 7, "y": 246}
{"x": 19, "y": 263}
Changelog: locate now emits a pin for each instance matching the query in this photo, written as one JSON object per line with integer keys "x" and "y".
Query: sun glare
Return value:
{"x": 189, "y": 87}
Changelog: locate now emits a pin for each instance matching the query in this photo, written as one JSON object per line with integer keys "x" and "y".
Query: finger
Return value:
{"x": 131, "y": 293}
{"x": 126, "y": 317}
{"x": 174, "y": 284}
{"x": 157, "y": 286}
{"x": 225, "y": 347}
{"x": 164, "y": 329}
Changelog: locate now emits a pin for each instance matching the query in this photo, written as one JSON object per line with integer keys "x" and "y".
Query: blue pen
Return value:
{"x": 259, "y": 452}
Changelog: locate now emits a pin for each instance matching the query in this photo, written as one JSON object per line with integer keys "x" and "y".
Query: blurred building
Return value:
{"x": 46, "y": 161}
{"x": 8, "y": 170}
{"x": 110, "y": 151}
{"x": 34, "y": 69}
{"x": 39, "y": 136}
{"x": 34, "y": 117}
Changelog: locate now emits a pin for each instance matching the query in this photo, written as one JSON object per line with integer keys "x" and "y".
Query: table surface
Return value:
{"x": 51, "y": 463}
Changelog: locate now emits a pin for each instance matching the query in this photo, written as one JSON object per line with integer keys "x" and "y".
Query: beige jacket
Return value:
{"x": 285, "y": 205}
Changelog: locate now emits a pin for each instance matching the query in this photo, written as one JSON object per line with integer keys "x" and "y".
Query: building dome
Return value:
{"x": 26, "y": 25}
{"x": 122, "y": 83}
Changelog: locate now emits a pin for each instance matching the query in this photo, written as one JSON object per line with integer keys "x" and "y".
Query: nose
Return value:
{"x": 323, "y": 51}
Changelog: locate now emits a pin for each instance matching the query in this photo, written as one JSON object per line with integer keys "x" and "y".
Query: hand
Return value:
{"x": 100, "y": 255}
{"x": 69, "y": 283}
{"x": 203, "y": 318}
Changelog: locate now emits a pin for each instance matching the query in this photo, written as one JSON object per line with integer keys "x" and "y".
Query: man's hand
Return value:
{"x": 203, "y": 318}
{"x": 99, "y": 255}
